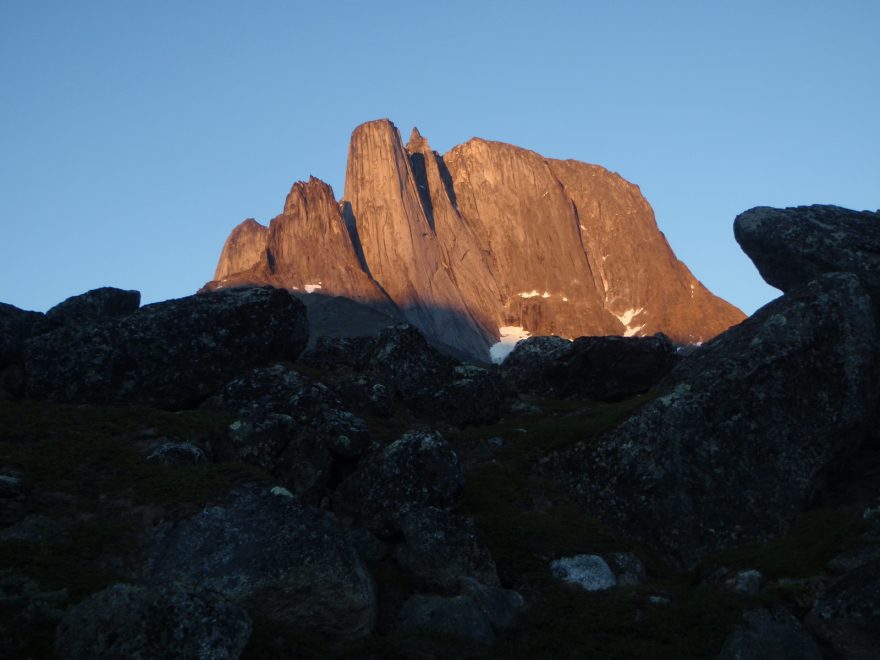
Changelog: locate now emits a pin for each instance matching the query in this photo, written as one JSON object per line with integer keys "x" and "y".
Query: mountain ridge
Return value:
{"x": 486, "y": 237}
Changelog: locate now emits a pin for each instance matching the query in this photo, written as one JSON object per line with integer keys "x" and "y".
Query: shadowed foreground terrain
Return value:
{"x": 188, "y": 479}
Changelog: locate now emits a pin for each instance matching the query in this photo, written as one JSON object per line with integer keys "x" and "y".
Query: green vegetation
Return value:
{"x": 86, "y": 466}
{"x": 814, "y": 539}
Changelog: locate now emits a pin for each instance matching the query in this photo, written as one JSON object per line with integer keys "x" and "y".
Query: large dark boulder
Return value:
{"x": 471, "y": 395}
{"x": 403, "y": 358}
{"x": 16, "y": 326}
{"x": 419, "y": 468}
{"x": 752, "y": 426}
{"x": 330, "y": 353}
{"x": 289, "y": 563}
{"x": 443, "y": 548}
{"x": 795, "y": 245}
{"x": 600, "y": 368}
{"x": 315, "y": 410}
{"x": 173, "y": 621}
{"x": 95, "y": 305}
{"x": 769, "y": 635}
{"x": 171, "y": 354}
{"x": 847, "y": 617}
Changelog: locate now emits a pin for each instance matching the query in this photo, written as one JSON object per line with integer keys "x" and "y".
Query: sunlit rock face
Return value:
{"x": 487, "y": 237}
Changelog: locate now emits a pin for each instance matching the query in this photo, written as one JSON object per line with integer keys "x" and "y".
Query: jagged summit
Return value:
{"x": 488, "y": 239}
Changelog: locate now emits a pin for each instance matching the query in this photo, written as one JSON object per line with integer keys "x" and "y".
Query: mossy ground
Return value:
{"x": 86, "y": 467}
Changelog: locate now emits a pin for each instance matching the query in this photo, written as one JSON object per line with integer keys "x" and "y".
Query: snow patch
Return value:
{"x": 534, "y": 293}
{"x": 311, "y": 288}
{"x": 627, "y": 319}
{"x": 510, "y": 335}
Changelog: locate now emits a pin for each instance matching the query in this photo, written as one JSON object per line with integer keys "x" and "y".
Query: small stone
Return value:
{"x": 174, "y": 454}
{"x": 589, "y": 572}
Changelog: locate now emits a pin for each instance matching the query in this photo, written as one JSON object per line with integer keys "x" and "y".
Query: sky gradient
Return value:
{"x": 135, "y": 135}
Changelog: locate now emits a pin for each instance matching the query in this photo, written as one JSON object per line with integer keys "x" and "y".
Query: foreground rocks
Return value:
{"x": 600, "y": 368}
{"x": 127, "y": 621}
{"x": 169, "y": 354}
{"x": 290, "y": 563}
{"x": 751, "y": 427}
{"x": 795, "y": 245}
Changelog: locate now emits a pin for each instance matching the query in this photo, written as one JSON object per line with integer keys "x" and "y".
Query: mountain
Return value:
{"x": 486, "y": 240}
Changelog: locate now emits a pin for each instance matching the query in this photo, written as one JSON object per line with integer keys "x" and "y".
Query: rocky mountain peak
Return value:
{"x": 487, "y": 240}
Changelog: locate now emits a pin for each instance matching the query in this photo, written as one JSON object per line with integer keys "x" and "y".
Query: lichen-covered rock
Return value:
{"x": 530, "y": 358}
{"x": 749, "y": 429}
{"x": 458, "y": 616}
{"x": 95, "y": 305}
{"x": 172, "y": 354}
{"x": 600, "y": 368}
{"x": 331, "y": 353}
{"x": 769, "y": 635}
{"x": 291, "y": 563}
{"x": 589, "y": 572}
{"x": 847, "y": 617}
{"x": 16, "y": 326}
{"x": 284, "y": 448}
{"x": 317, "y": 416}
{"x": 443, "y": 548}
{"x": 404, "y": 359}
{"x": 472, "y": 395}
{"x": 477, "y": 613}
{"x": 628, "y": 569}
{"x": 795, "y": 245}
{"x": 419, "y": 468}
{"x": 142, "y": 623}
{"x": 365, "y": 395}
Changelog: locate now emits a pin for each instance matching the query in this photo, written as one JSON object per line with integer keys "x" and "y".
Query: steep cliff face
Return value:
{"x": 520, "y": 212}
{"x": 638, "y": 277}
{"x": 307, "y": 248}
{"x": 486, "y": 236}
{"x": 243, "y": 249}
{"x": 399, "y": 243}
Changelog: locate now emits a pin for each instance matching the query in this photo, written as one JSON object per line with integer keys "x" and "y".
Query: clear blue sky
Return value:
{"x": 135, "y": 135}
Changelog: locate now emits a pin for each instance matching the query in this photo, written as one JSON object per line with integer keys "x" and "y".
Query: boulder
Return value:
{"x": 317, "y": 415}
{"x": 529, "y": 359}
{"x": 458, "y": 616}
{"x": 751, "y": 426}
{"x": 472, "y": 395}
{"x": 403, "y": 358}
{"x": 419, "y": 468}
{"x": 600, "y": 368}
{"x": 795, "y": 245}
{"x": 332, "y": 353}
{"x": 172, "y": 621}
{"x": 769, "y": 635}
{"x": 290, "y": 563}
{"x": 589, "y": 572}
{"x": 16, "y": 326}
{"x": 283, "y": 448}
{"x": 364, "y": 395}
{"x": 171, "y": 354}
{"x": 847, "y": 617}
{"x": 443, "y": 548}
{"x": 477, "y": 613}
{"x": 95, "y": 305}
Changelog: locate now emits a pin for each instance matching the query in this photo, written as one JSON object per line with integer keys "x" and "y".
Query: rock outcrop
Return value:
{"x": 485, "y": 237}
{"x": 290, "y": 563}
{"x": 731, "y": 454}
{"x": 795, "y": 245}
{"x": 128, "y": 621}
{"x": 169, "y": 354}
